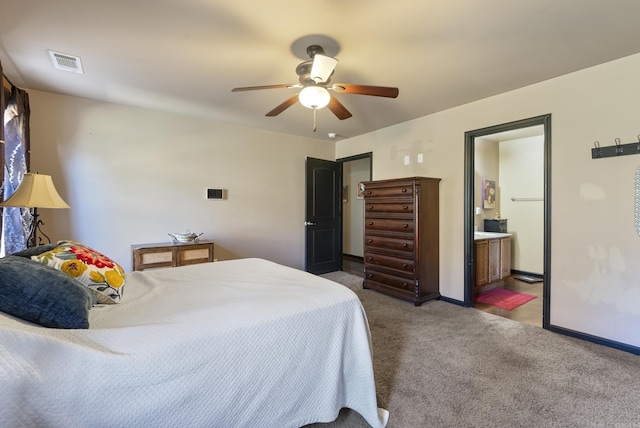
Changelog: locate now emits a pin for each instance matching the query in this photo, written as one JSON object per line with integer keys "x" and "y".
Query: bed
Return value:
{"x": 241, "y": 343}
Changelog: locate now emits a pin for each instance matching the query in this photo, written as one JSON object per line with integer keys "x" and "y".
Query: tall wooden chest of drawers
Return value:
{"x": 401, "y": 237}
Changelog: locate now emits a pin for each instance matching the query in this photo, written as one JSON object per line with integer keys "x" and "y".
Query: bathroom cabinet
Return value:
{"x": 492, "y": 260}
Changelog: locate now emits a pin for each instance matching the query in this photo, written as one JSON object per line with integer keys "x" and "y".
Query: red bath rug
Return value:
{"x": 505, "y": 299}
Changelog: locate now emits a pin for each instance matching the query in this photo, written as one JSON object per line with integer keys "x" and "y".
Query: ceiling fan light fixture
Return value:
{"x": 314, "y": 76}
{"x": 314, "y": 97}
{"x": 322, "y": 68}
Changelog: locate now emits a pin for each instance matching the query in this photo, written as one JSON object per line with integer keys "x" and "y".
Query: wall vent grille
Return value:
{"x": 66, "y": 62}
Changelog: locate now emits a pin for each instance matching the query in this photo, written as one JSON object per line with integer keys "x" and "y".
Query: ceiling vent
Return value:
{"x": 66, "y": 62}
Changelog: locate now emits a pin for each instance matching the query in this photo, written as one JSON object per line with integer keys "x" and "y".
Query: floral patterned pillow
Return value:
{"x": 95, "y": 270}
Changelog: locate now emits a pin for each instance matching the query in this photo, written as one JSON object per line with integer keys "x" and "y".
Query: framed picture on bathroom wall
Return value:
{"x": 360, "y": 193}
{"x": 488, "y": 194}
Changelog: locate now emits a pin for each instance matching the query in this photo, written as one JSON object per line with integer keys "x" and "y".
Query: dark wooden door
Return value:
{"x": 323, "y": 216}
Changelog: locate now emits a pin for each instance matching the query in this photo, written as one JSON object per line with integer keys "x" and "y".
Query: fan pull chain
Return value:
{"x": 314, "y": 119}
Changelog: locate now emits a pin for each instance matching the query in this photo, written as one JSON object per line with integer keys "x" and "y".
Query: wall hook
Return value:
{"x": 598, "y": 152}
{"x": 619, "y": 149}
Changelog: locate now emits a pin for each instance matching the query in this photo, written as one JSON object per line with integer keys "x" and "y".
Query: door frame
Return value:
{"x": 358, "y": 157}
{"x": 342, "y": 161}
{"x": 469, "y": 185}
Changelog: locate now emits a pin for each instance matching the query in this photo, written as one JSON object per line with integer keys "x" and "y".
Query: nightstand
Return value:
{"x": 149, "y": 256}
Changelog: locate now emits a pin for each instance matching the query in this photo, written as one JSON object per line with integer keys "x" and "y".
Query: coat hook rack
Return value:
{"x": 618, "y": 149}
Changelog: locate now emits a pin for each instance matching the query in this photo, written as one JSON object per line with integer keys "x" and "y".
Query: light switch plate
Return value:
{"x": 216, "y": 194}
{"x": 407, "y": 159}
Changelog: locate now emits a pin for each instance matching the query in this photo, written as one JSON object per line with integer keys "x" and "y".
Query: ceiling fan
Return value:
{"x": 315, "y": 80}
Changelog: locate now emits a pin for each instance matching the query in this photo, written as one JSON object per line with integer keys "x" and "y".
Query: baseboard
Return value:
{"x": 595, "y": 339}
{"x": 525, "y": 273}
{"x": 450, "y": 300}
{"x": 353, "y": 258}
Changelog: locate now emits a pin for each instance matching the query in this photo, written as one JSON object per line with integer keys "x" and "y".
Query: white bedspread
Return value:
{"x": 242, "y": 343}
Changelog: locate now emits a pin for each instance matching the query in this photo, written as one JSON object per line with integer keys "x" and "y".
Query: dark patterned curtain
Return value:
{"x": 15, "y": 221}
{"x": 3, "y": 85}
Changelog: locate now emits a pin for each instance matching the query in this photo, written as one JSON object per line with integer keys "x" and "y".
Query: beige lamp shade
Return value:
{"x": 36, "y": 191}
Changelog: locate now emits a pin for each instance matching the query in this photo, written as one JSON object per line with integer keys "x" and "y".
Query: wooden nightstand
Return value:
{"x": 148, "y": 256}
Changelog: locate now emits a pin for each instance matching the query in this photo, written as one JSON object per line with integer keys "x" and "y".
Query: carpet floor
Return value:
{"x": 442, "y": 365}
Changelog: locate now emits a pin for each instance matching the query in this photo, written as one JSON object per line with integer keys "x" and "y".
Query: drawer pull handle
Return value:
{"x": 370, "y": 275}
{"x": 405, "y": 245}
{"x": 404, "y": 190}
{"x": 404, "y": 265}
{"x": 369, "y": 240}
{"x": 369, "y": 258}
{"x": 404, "y": 284}
{"x": 405, "y": 207}
{"x": 405, "y": 225}
{"x": 370, "y": 223}
{"x": 370, "y": 207}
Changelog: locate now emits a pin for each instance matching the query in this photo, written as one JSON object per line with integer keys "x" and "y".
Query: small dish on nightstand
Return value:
{"x": 184, "y": 237}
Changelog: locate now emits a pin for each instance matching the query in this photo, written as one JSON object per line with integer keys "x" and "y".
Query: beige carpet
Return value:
{"x": 442, "y": 365}
{"x": 351, "y": 281}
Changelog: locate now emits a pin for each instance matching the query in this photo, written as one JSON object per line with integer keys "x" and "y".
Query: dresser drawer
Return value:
{"x": 391, "y": 208}
{"x": 397, "y": 263}
{"x": 404, "y": 284}
{"x": 194, "y": 256}
{"x": 389, "y": 224}
{"x": 389, "y": 191}
{"x": 386, "y": 243}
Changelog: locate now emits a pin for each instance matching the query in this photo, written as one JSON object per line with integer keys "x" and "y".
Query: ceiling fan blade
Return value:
{"x": 282, "y": 107}
{"x": 253, "y": 88}
{"x": 322, "y": 68}
{"x": 338, "y": 109}
{"x": 376, "y": 91}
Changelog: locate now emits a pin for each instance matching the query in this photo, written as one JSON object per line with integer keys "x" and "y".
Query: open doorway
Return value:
{"x": 507, "y": 215}
{"x": 355, "y": 170}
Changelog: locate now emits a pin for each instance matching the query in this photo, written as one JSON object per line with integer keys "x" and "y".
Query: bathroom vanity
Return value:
{"x": 492, "y": 259}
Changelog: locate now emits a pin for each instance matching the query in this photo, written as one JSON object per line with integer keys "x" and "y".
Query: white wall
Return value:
{"x": 133, "y": 176}
{"x": 594, "y": 249}
{"x": 353, "y": 215}
{"x": 522, "y": 176}
{"x": 487, "y": 167}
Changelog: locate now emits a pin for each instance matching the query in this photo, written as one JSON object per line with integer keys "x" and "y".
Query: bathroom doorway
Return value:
{"x": 355, "y": 170}
{"x": 513, "y": 161}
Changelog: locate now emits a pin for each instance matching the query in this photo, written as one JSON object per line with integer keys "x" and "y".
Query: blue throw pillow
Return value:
{"x": 34, "y": 292}
{"x": 35, "y": 251}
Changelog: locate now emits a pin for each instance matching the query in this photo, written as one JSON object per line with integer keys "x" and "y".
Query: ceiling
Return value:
{"x": 185, "y": 56}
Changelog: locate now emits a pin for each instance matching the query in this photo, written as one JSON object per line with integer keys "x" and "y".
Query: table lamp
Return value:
{"x": 35, "y": 191}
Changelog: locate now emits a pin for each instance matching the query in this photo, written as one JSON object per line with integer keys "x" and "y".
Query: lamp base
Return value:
{"x": 34, "y": 229}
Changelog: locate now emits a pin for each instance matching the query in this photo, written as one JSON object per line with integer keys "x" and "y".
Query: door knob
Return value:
{"x": 309, "y": 223}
